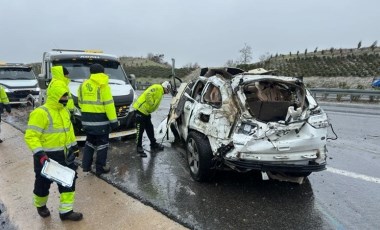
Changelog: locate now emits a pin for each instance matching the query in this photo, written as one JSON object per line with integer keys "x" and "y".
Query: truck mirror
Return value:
{"x": 132, "y": 80}
{"x": 42, "y": 81}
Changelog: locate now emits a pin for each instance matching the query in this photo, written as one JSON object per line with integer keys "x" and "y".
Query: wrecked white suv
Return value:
{"x": 247, "y": 121}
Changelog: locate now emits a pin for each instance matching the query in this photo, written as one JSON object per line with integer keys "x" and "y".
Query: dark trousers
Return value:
{"x": 42, "y": 184}
{"x": 100, "y": 144}
{"x": 144, "y": 123}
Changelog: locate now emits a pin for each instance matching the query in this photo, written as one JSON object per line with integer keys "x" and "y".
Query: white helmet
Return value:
{"x": 166, "y": 85}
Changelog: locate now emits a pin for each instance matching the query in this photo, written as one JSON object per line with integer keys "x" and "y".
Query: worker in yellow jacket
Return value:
{"x": 4, "y": 102}
{"x": 50, "y": 135}
{"x": 147, "y": 103}
{"x": 60, "y": 76}
{"x": 98, "y": 117}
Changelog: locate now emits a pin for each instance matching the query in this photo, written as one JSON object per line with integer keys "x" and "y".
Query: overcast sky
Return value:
{"x": 207, "y": 32}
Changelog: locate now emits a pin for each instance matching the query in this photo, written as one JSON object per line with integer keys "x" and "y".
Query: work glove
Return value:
{"x": 42, "y": 157}
{"x": 72, "y": 154}
{"x": 115, "y": 125}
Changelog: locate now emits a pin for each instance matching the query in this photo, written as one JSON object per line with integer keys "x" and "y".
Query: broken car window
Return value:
{"x": 213, "y": 96}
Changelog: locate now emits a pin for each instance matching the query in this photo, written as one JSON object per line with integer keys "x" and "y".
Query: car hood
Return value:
{"x": 19, "y": 83}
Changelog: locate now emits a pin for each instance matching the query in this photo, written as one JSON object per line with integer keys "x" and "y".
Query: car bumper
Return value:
{"x": 245, "y": 165}
{"x": 22, "y": 97}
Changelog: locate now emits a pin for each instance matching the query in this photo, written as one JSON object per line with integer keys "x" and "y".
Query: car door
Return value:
{"x": 192, "y": 102}
{"x": 210, "y": 116}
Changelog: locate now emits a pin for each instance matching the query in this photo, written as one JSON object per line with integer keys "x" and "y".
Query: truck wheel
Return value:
{"x": 199, "y": 156}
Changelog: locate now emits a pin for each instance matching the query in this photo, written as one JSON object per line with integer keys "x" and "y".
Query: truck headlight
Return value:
{"x": 77, "y": 112}
{"x": 6, "y": 89}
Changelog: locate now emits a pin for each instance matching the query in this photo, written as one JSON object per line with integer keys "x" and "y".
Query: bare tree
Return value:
{"x": 373, "y": 46}
{"x": 191, "y": 66}
{"x": 264, "y": 57}
{"x": 332, "y": 51}
{"x": 158, "y": 58}
{"x": 359, "y": 44}
{"x": 230, "y": 63}
{"x": 245, "y": 54}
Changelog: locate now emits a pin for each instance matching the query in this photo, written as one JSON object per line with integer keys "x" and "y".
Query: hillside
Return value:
{"x": 140, "y": 62}
{"x": 364, "y": 62}
{"x": 344, "y": 68}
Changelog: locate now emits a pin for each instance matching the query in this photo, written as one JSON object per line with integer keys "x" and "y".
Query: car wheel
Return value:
{"x": 199, "y": 156}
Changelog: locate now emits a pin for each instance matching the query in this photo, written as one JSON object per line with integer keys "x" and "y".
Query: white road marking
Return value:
{"x": 354, "y": 175}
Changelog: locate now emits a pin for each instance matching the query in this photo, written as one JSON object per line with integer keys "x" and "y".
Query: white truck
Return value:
{"x": 78, "y": 63}
{"x": 19, "y": 82}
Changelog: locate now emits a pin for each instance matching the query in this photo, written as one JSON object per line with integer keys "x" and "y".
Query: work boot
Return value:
{"x": 105, "y": 169}
{"x": 140, "y": 151}
{"x": 43, "y": 211}
{"x": 74, "y": 216}
{"x": 156, "y": 147}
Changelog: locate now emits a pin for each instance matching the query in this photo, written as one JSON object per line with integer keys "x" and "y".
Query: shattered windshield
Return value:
{"x": 80, "y": 69}
{"x": 16, "y": 74}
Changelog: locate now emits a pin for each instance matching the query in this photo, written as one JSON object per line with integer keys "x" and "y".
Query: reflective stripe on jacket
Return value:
{"x": 49, "y": 126}
{"x": 150, "y": 99}
{"x": 58, "y": 78}
{"x": 4, "y": 101}
{"x": 97, "y": 105}
{"x": 3, "y": 96}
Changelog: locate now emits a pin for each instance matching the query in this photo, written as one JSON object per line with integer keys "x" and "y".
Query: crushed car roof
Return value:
{"x": 226, "y": 72}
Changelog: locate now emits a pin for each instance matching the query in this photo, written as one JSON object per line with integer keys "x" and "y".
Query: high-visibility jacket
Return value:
{"x": 4, "y": 101}
{"x": 97, "y": 105}
{"x": 49, "y": 126}
{"x": 58, "y": 78}
{"x": 150, "y": 99}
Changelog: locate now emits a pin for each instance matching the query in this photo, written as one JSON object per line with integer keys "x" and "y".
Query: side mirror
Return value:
{"x": 132, "y": 80}
{"x": 42, "y": 81}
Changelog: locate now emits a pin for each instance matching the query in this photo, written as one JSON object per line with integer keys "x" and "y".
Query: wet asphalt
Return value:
{"x": 332, "y": 199}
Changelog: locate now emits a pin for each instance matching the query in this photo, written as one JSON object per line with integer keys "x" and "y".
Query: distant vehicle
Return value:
{"x": 19, "y": 82}
{"x": 231, "y": 119}
{"x": 376, "y": 82}
{"x": 78, "y": 64}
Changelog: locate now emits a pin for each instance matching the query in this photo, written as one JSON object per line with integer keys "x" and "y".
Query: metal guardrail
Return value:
{"x": 354, "y": 94}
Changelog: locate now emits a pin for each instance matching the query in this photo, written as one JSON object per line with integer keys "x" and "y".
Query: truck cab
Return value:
{"x": 19, "y": 82}
{"x": 78, "y": 63}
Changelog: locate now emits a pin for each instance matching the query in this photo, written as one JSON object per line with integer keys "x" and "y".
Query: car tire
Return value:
{"x": 199, "y": 157}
